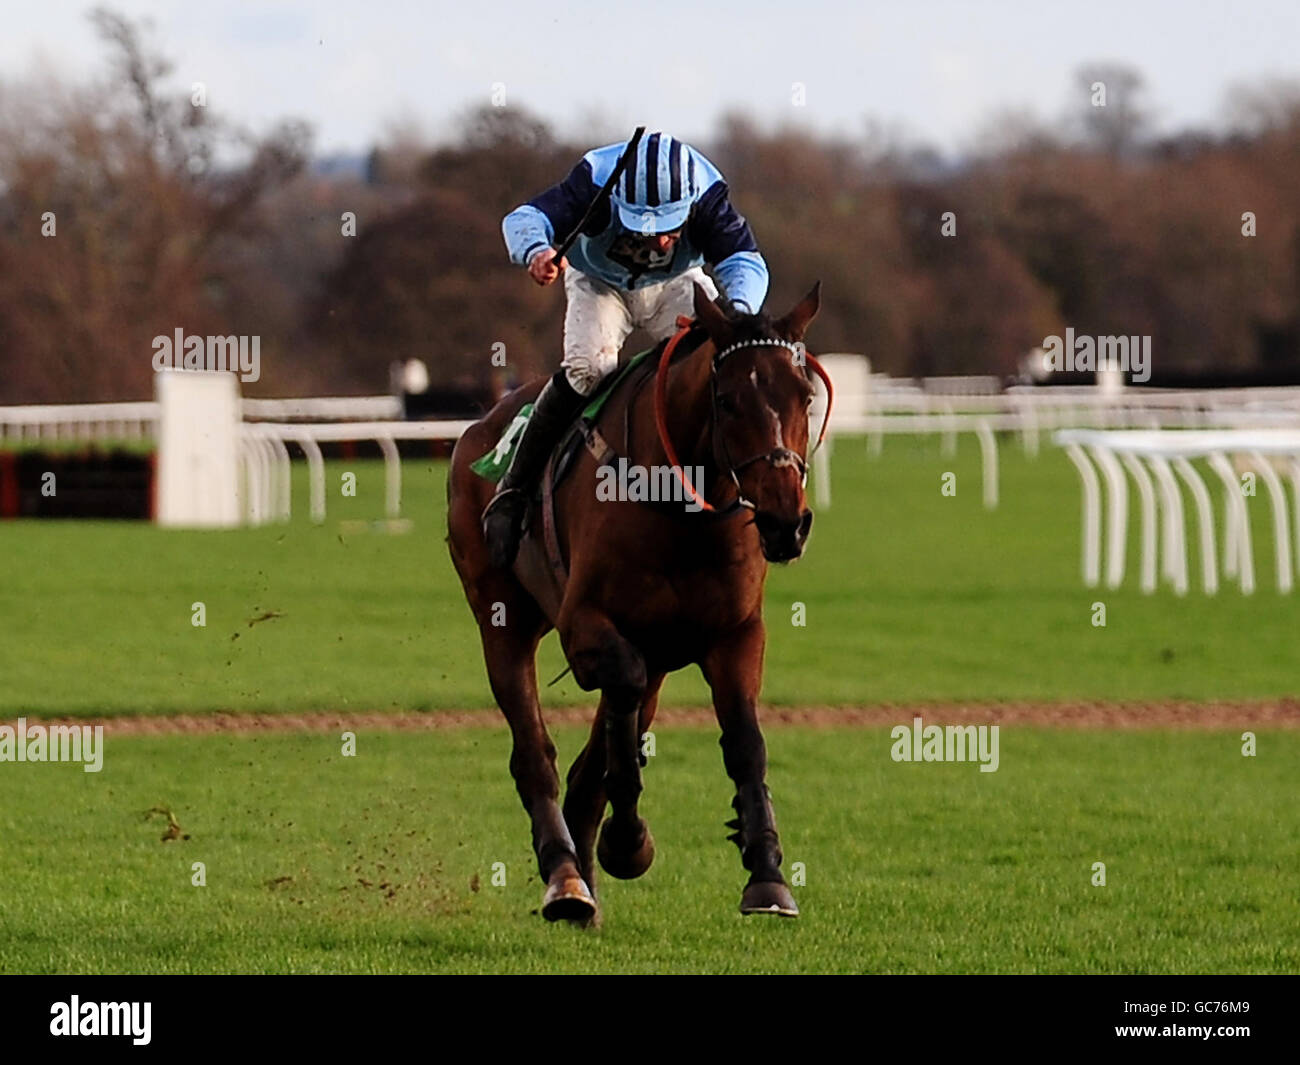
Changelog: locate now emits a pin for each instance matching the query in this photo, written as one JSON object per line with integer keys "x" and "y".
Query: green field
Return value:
{"x": 909, "y": 596}
{"x": 909, "y": 868}
{"x": 384, "y": 862}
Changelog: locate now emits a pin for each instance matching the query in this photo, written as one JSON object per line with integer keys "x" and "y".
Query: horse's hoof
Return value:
{"x": 765, "y": 897}
{"x": 623, "y": 862}
{"x": 569, "y": 899}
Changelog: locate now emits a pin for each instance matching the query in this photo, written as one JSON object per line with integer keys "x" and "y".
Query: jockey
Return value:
{"x": 635, "y": 264}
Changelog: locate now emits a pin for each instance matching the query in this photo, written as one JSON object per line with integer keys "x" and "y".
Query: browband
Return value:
{"x": 751, "y": 344}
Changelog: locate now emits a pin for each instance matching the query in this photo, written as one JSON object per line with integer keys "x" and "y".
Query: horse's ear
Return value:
{"x": 795, "y": 324}
{"x": 708, "y": 314}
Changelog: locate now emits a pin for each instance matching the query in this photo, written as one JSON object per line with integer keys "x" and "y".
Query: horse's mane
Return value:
{"x": 759, "y": 326}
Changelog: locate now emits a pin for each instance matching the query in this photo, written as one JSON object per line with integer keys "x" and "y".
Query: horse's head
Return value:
{"x": 762, "y": 392}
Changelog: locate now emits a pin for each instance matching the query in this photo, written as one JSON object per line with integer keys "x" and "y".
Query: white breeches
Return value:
{"x": 600, "y": 318}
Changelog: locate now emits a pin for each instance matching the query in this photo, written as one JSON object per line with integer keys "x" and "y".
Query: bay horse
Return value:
{"x": 638, "y": 591}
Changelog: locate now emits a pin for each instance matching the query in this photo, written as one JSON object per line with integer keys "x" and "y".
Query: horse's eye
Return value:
{"x": 727, "y": 403}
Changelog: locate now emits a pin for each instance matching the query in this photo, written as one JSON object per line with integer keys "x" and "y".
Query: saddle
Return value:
{"x": 493, "y": 465}
{"x": 583, "y": 433}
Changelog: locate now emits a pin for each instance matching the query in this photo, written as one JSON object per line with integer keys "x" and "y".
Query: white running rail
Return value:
{"x": 866, "y": 404}
{"x": 1151, "y": 458}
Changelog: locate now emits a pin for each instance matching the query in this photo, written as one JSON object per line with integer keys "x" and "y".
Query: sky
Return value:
{"x": 935, "y": 72}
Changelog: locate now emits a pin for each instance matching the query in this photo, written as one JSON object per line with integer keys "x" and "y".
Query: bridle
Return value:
{"x": 778, "y": 456}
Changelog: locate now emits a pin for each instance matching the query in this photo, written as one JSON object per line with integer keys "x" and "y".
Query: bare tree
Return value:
{"x": 1110, "y": 106}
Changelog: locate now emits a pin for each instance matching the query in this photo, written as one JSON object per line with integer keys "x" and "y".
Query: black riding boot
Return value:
{"x": 503, "y": 518}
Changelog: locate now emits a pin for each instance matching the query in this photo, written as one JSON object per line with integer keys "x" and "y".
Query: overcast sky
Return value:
{"x": 934, "y": 69}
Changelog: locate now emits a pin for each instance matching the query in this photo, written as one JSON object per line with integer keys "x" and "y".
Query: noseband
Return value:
{"x": 778, "y": 456}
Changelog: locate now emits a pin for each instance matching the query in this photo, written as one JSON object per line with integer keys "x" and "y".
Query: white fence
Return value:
{"x": 79, "y": 421}
{"x": 1152, "y": 458}
{"x": 870, "y": 405}
{"x": 267, "y": 460}
{"x": 876, "y": 406}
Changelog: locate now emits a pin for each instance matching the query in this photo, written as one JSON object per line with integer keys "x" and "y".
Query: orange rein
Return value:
{"x": 661, "y": 392}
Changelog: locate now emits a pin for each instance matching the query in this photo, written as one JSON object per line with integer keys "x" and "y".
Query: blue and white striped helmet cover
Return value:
{"x": 655, "y": 193}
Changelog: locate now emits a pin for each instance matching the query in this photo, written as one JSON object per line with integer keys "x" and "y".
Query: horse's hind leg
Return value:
{"x": 733, "y": 669}
{"x": 511, "y": 625}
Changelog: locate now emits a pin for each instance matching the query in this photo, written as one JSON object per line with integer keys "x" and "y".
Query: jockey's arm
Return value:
{"x": 727, "y": 243}
{"x": 550, "y": 216}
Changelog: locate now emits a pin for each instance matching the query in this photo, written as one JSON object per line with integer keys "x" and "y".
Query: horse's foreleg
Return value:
{"x": 625, "y": 847}
{"x": 585, "y": 799}
{"x": 601, "y": 658}
{"x": 734, "y": 670}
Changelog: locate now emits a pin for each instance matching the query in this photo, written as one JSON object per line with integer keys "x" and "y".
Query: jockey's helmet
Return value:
{"x": 655, "y": 193}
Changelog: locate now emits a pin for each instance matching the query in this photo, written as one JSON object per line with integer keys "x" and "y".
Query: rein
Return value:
{"x": 777, "y": 455}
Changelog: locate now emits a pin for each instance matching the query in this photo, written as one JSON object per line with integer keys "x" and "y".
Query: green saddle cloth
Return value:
{"x": 493, "y": 465}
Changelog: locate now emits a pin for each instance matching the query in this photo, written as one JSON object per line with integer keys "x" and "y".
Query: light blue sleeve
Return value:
{"x": 526, "y": 229}
{"x": 744, "y": 280}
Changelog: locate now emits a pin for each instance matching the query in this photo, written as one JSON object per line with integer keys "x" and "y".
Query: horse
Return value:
{"x": 636, "y": 591}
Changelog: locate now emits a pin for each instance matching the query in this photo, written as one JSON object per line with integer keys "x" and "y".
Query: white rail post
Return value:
{"x": 1281, "y": 529}
{"x": 392, "y": 477}
{"x": 1117, "y": 526}
{"x": 1205, "y": 523}
{"x": 989, "y": 453}
{"x": 1091, "y": 515}
{"x": 1175, "y": 567}
{"x": 1238, "y": 552}
{"x": 1147, "y": 500}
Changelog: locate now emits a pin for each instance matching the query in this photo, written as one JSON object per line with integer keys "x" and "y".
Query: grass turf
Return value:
{"x": 907, "y": 595}
{"x": 320, "y": 863}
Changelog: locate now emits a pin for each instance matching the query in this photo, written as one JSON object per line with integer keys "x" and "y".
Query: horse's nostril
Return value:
{"x": 783, "y": 539}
